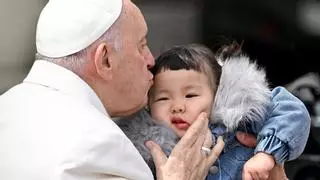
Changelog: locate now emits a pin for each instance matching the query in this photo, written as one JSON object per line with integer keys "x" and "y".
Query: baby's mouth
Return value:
{"x": 180, "y": 123}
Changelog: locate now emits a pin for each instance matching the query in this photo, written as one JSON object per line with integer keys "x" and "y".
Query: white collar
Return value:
{"x": 61, "y": 79}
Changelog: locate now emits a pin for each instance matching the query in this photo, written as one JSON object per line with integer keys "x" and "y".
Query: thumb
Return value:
{"x": 158, "y": 156}
{"x": 247, "y": 139}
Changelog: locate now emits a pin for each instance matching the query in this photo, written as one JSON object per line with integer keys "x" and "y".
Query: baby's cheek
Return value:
{"x": 159, "y": 116}
{"x": 154, "y": 111}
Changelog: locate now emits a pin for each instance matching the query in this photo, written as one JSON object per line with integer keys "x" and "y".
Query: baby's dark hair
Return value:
{"x": 190, "y": 57}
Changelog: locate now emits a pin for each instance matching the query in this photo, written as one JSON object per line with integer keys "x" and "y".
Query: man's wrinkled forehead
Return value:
{"x": 135, "y": 19}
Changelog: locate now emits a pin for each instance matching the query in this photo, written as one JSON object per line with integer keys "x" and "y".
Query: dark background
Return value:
{"x": 272, "y": 33}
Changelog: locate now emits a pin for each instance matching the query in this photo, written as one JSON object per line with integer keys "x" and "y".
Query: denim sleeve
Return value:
{"x": 285, "y": 131}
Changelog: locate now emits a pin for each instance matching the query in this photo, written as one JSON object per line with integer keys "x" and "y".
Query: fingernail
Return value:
{"x": 149, "y": 144}
{"x": 203, "y": 115}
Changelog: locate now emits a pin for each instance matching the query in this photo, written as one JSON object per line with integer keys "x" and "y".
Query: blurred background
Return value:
{"x": 282, "y": 35}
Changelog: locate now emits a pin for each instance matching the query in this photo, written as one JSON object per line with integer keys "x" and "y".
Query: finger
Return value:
{"x": 202, "y": 137}
{"x": 255, "y": 176}
{"x": 247, "y": 139}
{"x": 263, "y": 175}
{"x": 196, "y": 129}
{"x": 216, "y": 151}
{"x": 158, "y": 156}
{"x": 246, "y": 176}
{"x": 208, "y": 140}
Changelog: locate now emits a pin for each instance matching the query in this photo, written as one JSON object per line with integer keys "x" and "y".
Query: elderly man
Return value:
{"x": 92, "y": 64}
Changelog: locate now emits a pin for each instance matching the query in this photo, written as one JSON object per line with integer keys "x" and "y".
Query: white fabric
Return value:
{"x": 68, "y": 26}
{"x": 54, "y": 127}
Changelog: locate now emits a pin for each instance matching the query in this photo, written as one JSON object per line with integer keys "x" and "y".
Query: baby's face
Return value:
{"x": 178, "y": 97}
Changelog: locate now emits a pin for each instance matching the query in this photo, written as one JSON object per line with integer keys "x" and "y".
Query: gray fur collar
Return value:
{"x": 140, "y": 128}
{"x": 242, "y": 96}
{"x": 243, "y": 93}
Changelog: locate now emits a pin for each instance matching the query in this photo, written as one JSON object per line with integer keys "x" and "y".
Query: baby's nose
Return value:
{"x": 178, "y": 108}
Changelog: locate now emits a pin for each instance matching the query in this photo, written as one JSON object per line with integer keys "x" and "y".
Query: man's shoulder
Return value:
{"x": 60, "y": 115}
{"x": 102, "y": 144}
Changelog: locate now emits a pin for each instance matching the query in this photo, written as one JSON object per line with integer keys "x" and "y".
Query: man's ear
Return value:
{"x": 103, "y": 61}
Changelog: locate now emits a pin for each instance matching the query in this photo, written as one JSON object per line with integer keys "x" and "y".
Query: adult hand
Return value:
{"x": 187, "y": 161}
{"x": 249, "y": 140}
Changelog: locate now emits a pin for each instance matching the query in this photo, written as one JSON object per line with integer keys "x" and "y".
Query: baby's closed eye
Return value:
{"x": 191, "y": 95}
{"x": 162, "y": 99}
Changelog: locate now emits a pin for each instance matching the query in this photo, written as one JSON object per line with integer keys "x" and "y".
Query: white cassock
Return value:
{"x": 54, "y": 127}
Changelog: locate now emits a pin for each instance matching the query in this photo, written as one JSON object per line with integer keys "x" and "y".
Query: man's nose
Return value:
{"x": 150, "y": 60}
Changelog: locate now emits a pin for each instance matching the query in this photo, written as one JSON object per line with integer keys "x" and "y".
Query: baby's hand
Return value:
{"x": 258, "y": 167}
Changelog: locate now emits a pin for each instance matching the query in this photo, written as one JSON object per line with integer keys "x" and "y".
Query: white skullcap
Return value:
{"x": 69, "y": 26}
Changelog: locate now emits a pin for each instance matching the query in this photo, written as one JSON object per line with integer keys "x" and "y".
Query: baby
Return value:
{"x": 189, "y": 80}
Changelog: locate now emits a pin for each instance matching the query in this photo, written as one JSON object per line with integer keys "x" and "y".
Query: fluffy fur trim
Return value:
{"x": 140, "y": 128}
{"x": 243, "y": 94}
